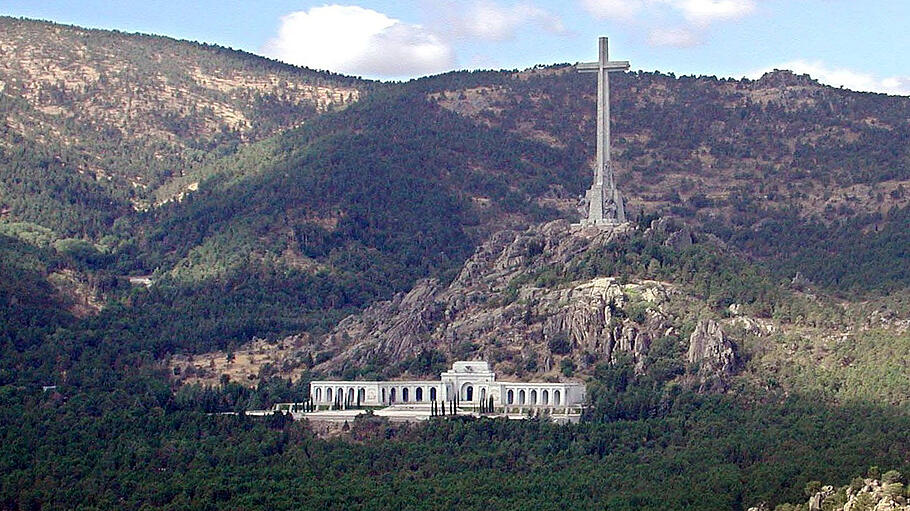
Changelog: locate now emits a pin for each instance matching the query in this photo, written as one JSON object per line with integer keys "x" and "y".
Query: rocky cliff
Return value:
{"x": 513, "y": 306}
{"x": 712, "y": 355}
{"x": 522, "y": 303}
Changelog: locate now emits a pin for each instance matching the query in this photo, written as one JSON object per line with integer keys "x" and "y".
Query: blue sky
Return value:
{"x": 859, "y": 45}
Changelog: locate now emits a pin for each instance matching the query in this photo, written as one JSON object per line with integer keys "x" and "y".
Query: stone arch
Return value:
{"x": 318, "y": 396}
{"x": 361, "y": 395}
{"x": 467, "y": 391}
{"x": 383, "y": 397}
{"x": 418, "y": 394}
{"x": 483, "y": 395}
{"x": 328, "y": 395}
{"x": 556, "y": 397}
{"x": 392, "y": 395}
{"x": 339, "y": 394}
{"x": 533, "y": 398}
{"x": 404, "y": 395}
{"x": 432, "y": 393}
{"x": 350, "y": 394}
{"x": 510, "y": 397}
{"x": 521, "y": 396}
{"x": 545, "y": 397}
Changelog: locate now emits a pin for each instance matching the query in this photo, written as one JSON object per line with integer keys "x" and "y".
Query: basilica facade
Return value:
{"x": 467, "y": 382}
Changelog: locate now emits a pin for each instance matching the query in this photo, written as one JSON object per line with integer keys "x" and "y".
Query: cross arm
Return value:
{"x": 591, "y": 67}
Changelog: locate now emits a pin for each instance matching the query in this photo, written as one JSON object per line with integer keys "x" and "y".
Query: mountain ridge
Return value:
{"x": 88, "y": 93}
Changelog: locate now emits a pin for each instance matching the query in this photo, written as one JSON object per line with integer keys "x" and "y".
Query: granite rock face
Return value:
{"x": 712, "y": 356}
{"x": 508, "y": 306}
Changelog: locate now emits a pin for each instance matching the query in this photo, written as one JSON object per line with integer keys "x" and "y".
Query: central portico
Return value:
{"x": 470, "y": 380}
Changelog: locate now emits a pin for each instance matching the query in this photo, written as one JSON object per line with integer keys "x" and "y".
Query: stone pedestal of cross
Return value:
{"x": 604, "y": 202}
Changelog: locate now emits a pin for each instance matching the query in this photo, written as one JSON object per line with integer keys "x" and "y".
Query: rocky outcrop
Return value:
{"x": 712, "y": 356}
{"x": 521, "y": 303}
{"x": 592, "y": 315}
{"x": 397, "y": 328}
{"x": 861, "y": 495}
{"x": 876, "y": 495}
{"x": 816, "y": 501}
{"x": 509, "y": 307}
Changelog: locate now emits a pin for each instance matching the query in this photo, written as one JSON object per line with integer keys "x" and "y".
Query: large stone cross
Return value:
{"x": 605, "y": 202}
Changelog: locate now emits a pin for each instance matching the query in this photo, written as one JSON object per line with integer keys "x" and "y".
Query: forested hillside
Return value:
{"x": 96, "y": 121}
{"x": 265, "y": 208}
{"x": 285, "y": 199}
{"x": 783, "y": 168}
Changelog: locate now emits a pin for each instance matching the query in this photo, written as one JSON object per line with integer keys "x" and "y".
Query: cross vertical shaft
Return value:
{"x": 603, "y": 109}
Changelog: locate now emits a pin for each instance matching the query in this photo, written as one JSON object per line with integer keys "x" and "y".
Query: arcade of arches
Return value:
{"x": 468, "y": 382}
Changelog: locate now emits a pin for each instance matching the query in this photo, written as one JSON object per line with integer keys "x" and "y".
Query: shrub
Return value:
{"x": 559, "y": 345}
{"x": 894, "y": 489}
{"x": 567, "y": 367}
{"x": 891, "y": 476}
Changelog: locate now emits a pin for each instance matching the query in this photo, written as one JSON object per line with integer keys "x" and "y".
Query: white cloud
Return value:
{"x": 355, "y": 40}
{"x": 614, "y": 9}
{"x": 842, "y": 77}
{"x": 670, "y": 22}
{"x": 695, "y": 11}
{"x": 703, "y": 12}
{"x": 494, "y": 22}
{"x": 677, "y": 37}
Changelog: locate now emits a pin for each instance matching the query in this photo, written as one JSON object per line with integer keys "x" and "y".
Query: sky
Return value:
{"x": 859, "y": 45}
